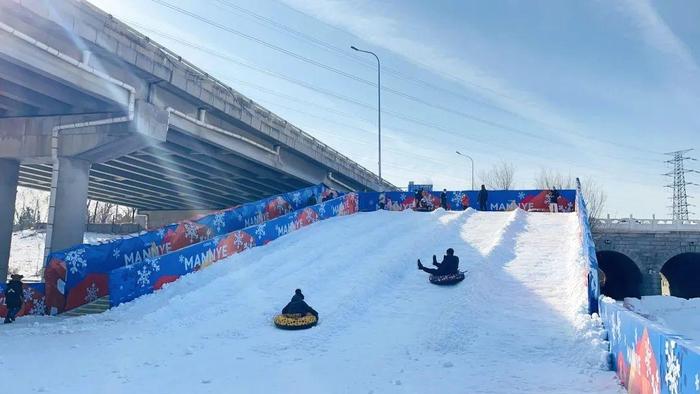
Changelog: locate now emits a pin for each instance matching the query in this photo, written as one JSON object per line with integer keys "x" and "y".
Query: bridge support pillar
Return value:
{"x": 9, "y": 174}
{"x": 68, "y": 206}
{"x": 651, "y": 282}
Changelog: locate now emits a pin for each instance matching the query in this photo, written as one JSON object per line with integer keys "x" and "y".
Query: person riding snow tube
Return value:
{"x": 448, "y": 279}
{"x": 297, "y": 314}
{"x": 447, "y": 272}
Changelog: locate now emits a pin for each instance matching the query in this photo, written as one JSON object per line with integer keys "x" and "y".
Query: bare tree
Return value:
{"x": 499, "y": 177}
{"x": 548, "y": 179}
{"x": 591, "y": 191}
{"x": 30, "y": 198}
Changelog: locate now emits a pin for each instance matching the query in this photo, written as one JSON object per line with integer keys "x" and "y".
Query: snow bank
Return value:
{"x": 514, "y": 325}
{"x": 679, "y": 315}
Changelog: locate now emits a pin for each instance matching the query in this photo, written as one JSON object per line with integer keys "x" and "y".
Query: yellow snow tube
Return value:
{"x": 295, "y": 321}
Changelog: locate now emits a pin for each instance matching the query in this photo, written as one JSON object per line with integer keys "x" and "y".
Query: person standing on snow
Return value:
{"x": 418, "y": 196}
{"x": 448, "y": 266}
{"x": 483, "y": 198}
{"x": 14, "y": 293}
{"x": 298, "y": 306}
{"x": 553, "y": 200}
{"x": 443, "y": 199}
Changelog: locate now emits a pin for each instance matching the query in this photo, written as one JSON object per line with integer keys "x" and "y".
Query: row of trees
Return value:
{"x": 31, "y": 207}
{"x": 501, "y": 176}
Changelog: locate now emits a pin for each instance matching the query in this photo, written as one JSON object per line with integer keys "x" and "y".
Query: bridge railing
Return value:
{"x": 644, "y": 225}
{"x": 240, "y": 98}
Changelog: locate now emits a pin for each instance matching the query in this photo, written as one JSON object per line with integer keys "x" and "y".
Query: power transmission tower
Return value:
{"x": 680, "y": 197}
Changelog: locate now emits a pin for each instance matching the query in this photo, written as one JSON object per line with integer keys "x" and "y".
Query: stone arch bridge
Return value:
{"x": 648, "y": 257}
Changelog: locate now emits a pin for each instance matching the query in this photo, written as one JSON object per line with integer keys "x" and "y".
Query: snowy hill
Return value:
{"x": 517, "y": 324}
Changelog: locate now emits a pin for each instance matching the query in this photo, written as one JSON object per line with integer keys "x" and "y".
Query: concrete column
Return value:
{"x": 68, "y": 204}
{"x": 9, "y": 173}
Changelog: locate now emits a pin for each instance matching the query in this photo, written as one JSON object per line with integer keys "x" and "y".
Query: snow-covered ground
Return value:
{"x": 27, "y": 251}
{"x": 517, "y": 324}
{"x": 680, "y": 315}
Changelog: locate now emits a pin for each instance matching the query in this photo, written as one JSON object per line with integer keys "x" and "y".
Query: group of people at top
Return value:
{"x": 422, "y": 199}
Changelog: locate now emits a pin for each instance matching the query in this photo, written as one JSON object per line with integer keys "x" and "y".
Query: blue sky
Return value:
{"x": 594, "y": 89}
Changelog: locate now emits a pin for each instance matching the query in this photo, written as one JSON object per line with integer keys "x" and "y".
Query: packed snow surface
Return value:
{"x": 517, "y": 324}
{"x": 680, "y": 315}
{"x": 27, "y": 251}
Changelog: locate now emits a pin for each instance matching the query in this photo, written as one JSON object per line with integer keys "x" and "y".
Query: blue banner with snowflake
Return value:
{"x": 497, "y": 200}
{"x": 78, "y": 275}
{"x": 647, "y": 357}
{"x": 129, "y": 282}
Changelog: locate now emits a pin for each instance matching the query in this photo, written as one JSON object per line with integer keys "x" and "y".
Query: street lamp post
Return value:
{"x": 379, "y": 107}
{"x": 472, "y": 160}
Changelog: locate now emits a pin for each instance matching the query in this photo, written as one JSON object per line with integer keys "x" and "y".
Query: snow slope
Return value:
{"x": 680, "y": 315}
{"x": 27, "y": 251}
{"x": 517, "y": 324}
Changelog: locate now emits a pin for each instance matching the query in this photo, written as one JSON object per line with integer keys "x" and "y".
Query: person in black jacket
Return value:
{"x": 311, "y": 200}
{"x": 14, "y": 294}
{"x": 448, "y": 266}
{"x": 553, "y": 200}
{"x": 297, "y": 305}
{"x": 483, "y": 198}
{"x": 443, "y": 199}
{"x": 418, "y": 197}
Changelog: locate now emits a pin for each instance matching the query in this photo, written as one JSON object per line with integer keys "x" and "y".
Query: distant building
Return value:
{"x": 412, "y": 187}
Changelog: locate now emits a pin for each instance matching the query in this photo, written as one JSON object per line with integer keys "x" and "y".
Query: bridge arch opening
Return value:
{"x": 621, "y": 277}
{"x": 680, "y": 276}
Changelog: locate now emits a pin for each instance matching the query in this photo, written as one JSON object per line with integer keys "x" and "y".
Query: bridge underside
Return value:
{"x": 179, "y": 174}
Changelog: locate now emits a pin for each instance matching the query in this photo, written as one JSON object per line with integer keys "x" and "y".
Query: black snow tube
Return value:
{"x": 450, "y": 279}
{"x": 295, "y": 321}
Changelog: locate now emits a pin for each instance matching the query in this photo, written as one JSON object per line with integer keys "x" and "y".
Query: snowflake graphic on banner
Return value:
{"x": 155, "y": 264}
{"x": 116, "y": 253}
{"x": 697, "y": 382}
{"x": 161, "y": 233}
{"x": 91, "y": 293}
{"x": 238, "y": 239}
{"x": 182, "y": 259}
{"x": 616, "y": 327}
{"x": 144, "y": 277}
{"x": 322, "y": 209}
{"x": 75, "y": 260}
{"x": 38, "y": 307}
{"x": 457, "y": 197}
{"x": 191, "y": 232}
{"x": 296, "y": 198}
{"x": 260, "y": 231}
{"x": 673, "y": 367}
{"x": 27, "y": 294}
{"x": 219, "y": 221}
{"x": 402, "y": 196}
{"x": 521, "y": 195}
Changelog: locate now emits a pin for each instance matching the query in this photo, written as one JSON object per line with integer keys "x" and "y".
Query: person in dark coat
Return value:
{"x": 553, "y": 200}
{"x": 418, "y": 196}
{"x": 448, "y": 266}
{"x": 483, "y": 198}
{"x": 443, "y": 199}
{"x": 312, "y": 200}
{"x": 297, "y": 305}
{"x": 14, "y": 294}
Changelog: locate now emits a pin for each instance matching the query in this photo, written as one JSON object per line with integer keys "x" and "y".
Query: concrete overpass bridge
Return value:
{"x": 648, "y": 257}
{"x": 90, "y": 108}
